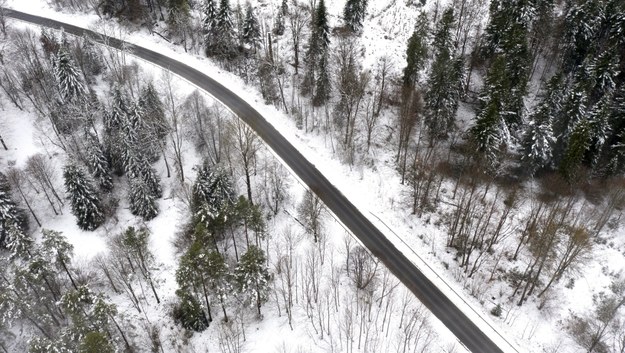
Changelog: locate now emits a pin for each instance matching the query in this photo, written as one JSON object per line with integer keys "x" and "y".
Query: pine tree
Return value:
{"x": 58, "y": 252}
{"x": 204, "y": 272}
{"x": 224, "y": 30}
{"x": 83, "y": 197}
{"x": 579, "y": 143}
{"x": 113, "y": 120}
{"x": 252, "y": 276}
{"x": 153, "y": 113}
{"x": 96, "y": 342}
{"x": 188, "y": 313}
{"x": 441, "y": 99}
{"x": 615, "y": 144}
{"x": 322, "y": 29}
{"x": 98, "y": 163}
{"x": 283, "y": 11}
{"x": 581, "y": 25}
{"x": 316, "y": 56}
{"x": 9, "y": 218}
{"x": 67, "y": 76}
{"x": 19, "y": 244}
{"x": 213, "y": 196}
{"x": 117, "y": 114}
{"x": 209, "y": 16}
{"x": 506, "y": 35}
{"x": 142, "y": 199}
{"x": 251, "y": 28}
{"x": 539, "y": 139}
{"x": 574, "y": 110}
{"x": 487, "y": 134}
{"x": 322, "y": 86}
{"x": 416, "y": 52}
{"x": 599, "y": 130}
{"x": 179, "y": 6}
{"x": 490, "y": 131}
{"x": 354, "y": 14}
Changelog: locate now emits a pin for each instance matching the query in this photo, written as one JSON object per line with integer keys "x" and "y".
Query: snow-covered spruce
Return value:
{"x": 83, "y": 197}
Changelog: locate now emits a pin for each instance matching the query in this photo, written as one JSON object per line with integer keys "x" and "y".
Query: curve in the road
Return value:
{"x": 428, "y": 293}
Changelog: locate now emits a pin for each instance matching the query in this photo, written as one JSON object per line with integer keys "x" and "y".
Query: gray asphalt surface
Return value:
{"x": 455, "y": 320}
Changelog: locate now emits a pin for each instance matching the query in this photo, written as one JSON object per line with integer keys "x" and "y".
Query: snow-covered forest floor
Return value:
{"x": 372, "y": 183}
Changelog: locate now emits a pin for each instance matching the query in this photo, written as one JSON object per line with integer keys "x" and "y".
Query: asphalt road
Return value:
{"x": 456, "y": 321}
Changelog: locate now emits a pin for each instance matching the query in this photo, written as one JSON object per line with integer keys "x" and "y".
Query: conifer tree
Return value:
{"x": 615, "y": 143}
{"x": 67, "y": 76}
{"x": 251, "y": 28}
{"x": 354, "y": 14}
{"x": 210, "y": 27}
{"x": 322, "y": 86}
{"x": 96, "y": 342}
{"x": 490, "y": 131}
{"x": 19, "y": 244}
{"x": 316, "y": 56}
{"x": 224, "y": 30}
{"x": 142, "y": 199}
{"x": 10, "y": 227}
{"x": 573, "y": 111}
{"x": 283, "y": 11}
{"x": 576, "y": 149}
{"x": 204, "y": 272}
{"x": 252, "y": 276}
{"x": 58, "y": 251}
{"x": 209, "y": 13}
{"x": 179, "y": 6}
{"x": 416, "y": 52}
{"x": 213, "y": 196}
{"x": 506, "y": 35}
{"x": 83, "y": 197}
{"x": 539, "y": 139}
{"x": 189, "y": 313}
{"x": 153, "y": 113}
{"x": 441, "y": 99}
{"x": 98, "y": 163}
{"x": 581, "y": 24}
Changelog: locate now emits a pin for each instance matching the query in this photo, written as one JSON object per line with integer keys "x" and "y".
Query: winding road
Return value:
{"x": 428, "y": 293}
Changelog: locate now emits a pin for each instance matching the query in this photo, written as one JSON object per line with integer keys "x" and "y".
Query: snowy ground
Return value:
{"x": 376, "y": 191}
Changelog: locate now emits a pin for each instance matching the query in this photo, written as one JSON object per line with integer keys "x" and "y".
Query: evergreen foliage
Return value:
{"x": 209, "y": 16}
{"x": 577, "y": 147}
{"x": 98, "y": 163}
{"x": 251, "y": 28}
{"x": 539, "y": 139}
{"x": 95, "y": 342}
{"x": 188, "y": 312}
{"x": 322, "y": 86}
{"x": 142, "y": 199}
{"x": 222, "y": 43}
{"x": 490, "y": 130}
{"x": 252, "y": 276}
{"x": 441, "y": 99}
{"x": 316, "y": 76}
{"x": 354, "y": 14}
{"x": 213, "y": 196}
{"x": 416, "y": 51}
{"x": 83, "y": 197}
{"x": 10, "y": 224}
{"x": 153, "y": 116}
{"x": 283, "y": 11}
{"x": 67, "y": 76}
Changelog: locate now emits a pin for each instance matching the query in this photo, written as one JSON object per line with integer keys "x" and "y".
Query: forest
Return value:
{"x": 503, "y": 122}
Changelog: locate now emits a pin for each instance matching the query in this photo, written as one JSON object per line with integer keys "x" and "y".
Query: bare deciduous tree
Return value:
{"x": 310, "y": 213}
{"x": 40, "y": 169}
{"x": 247, "y": 145}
